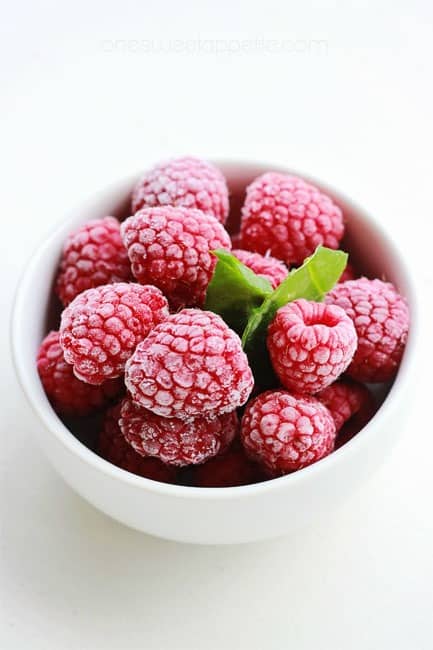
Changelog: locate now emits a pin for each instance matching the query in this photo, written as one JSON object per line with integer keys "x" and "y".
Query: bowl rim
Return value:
{"x": 46, "y": 414}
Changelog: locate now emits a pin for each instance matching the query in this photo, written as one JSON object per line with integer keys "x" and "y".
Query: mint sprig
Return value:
{"x": 235, "y": 291}
{"x": 317, "y": 275}
{"x": 247, "y": 303}
{"x": 312, "y": 281}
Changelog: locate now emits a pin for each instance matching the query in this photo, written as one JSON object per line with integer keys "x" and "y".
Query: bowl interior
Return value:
{"x": 39, "y": 310}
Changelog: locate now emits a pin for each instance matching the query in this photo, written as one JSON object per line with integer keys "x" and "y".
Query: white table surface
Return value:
{"x": 84, "y": 102}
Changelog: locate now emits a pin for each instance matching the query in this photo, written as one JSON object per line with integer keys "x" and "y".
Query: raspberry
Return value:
{"x": 67, "y": 394}
{"x": 93, "y": 255}
{"x": 284, "y": 432}
{"x": 346, "y": 399}
{"x": 187, "y": 182}
{"x": 190, "y": 365}
{"x": 268, "y": 267}
{"x": 381, "y": 319}
{"x": 236, "y": 240}
{"x": 101, "y": 327}
{"x": 289, "y": 218}
{"x": 170, "y": 248}
{"x": 310, "y": 345}
{"x": 114, "y": 448}
{"x": 228, "y": 470}
{"x": 175, "y": 441}
{"x": 349, "y": 273}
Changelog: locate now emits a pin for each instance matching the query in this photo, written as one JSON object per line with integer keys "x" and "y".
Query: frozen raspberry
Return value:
{"x": 289, "y": 218}
{"x": 229, "y": 432}
{"x": 349, "y": 273}
{"x": 174, "y": 441}
{"x": 228, "y": 470}
{"x": 381, "y": 319}
{"x": 101, "y": 327}
{"x": 93, "y": 254}
{"x": 268, "y": 267}
{"x": 310, "y": 345}
{"x": 346, "y": 399}
{"x": 171, "y": 248}
{"x": 67, "y": 394}
{"x": 114, "y": 448}
{"x": 190, "y": 365}
{"x": 236, "y": 240}
{"x": 284, "y": 432}
{"x": 186, "y": 182}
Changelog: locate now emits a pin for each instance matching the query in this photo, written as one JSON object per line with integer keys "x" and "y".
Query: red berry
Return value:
{"x": 349, "y": 273}
{"x": 93, "y": 255}
{"x": 101, "y": 327}
{"x": 268, "y": 267}
{"x": 310, "y": 345}
{"x": 67, "y": 394}
{"x": 186, "y": 182}
{"x": 228, "y": 470}
{"x": 346, "y": 399}
{"x": 171, "y": 248}
{"x": 381, "y": 319}
{"x": 114, "y": 448}
{"x": 236, "y": 240}
{"x": 284, "y": 432}
{"x": 175, "y": 441}
{"x": 289, "y": 218}
{"x": 190, "y": 365}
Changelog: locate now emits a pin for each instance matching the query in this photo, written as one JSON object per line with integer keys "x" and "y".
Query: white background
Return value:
{"x": 91, "y": 92}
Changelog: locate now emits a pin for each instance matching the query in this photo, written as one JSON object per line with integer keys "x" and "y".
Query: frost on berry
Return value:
{"x": 93, "y": 255}
{"x": 310, "y": 345}
{"x": 67, "y": 394}
{"x": 101, "y": 327}
{"x": 184, "y": 182}
{"x": 175, "y": 441}
{"x": 113, "y": 447}
{"x": 191, "y": 364}
{"x": 284, "y": 432}
{"x": 268, "y": 267}
{"x": 171, "y": 248}
{"x": 381, "y": 319}
{"x": 289, "y": 218}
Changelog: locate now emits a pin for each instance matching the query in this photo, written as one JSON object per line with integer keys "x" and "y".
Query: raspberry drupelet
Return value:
{"x": 268, "y": 267}
{"x": 187, "y": 182}
{"x": 381, "y": 318}
{"x": 310, "y": 344}
{"x": 101, "y": 327}
{"x": 288, "y": 217}
{"x": 93, "y": 255}
{"x": 171, "y": 248}
{"x": 175, "y": 441}
{"x": 113, "y": 447}
{"x": 285, "y": 432}
{"x": 190, "y": 365}
{"x": 67, "y": 394}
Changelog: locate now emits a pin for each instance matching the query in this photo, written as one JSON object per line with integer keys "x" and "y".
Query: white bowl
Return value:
{"x": 209, "y": 515}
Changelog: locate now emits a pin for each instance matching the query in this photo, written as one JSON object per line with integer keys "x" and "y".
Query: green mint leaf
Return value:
{"x": 317, "y": 275}
{"x": 235, "y": 291}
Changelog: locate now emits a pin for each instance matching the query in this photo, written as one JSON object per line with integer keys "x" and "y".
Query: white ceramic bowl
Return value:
{"x": 209, "y": 515}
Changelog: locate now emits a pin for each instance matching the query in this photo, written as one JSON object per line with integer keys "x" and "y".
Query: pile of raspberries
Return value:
{"x": 175, "y": 394}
